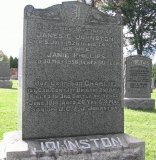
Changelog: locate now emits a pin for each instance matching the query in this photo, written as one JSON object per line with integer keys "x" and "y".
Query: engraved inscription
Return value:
{"x": 77, "y": 48}
{"x": 76, "y": 12}
{"x": 72, "y": 72}
{"x": 80, "y": 47}
{"x": 138, "y": 77}
{"x": 64, "y": 96}
{"x": 79, "y": 146}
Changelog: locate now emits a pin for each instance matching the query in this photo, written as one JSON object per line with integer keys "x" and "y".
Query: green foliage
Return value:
{"x": 8, "y": 109}
{"x": 140, "y": 18}
{"x": 3, "y": 57}
{"x": 13, "y": 62}
{"x": 154, "y": 73}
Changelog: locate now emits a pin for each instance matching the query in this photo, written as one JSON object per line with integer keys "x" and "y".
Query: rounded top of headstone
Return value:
{"x": 138, "y": 56}
{"x": 29, "y": 7}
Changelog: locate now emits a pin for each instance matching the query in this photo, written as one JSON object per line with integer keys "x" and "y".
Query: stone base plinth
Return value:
{"x": 139, "y": 103}
{"x": 95, "y": 147}
{"x": 15, "y": 77}
{"x": 6, "y": 84}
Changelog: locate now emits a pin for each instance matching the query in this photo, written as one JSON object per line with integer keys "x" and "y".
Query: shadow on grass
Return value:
{"x": 149, "y": 111}
{"x": 141, "y": 110}
{"x": 10, "y": 88}
{"x": 13, "y": 88}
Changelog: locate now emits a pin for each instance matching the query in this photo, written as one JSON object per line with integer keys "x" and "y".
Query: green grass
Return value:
{"x": 138, "y": 123}
{"x": 8, "y": 109}
{"x": 142, "y": 124}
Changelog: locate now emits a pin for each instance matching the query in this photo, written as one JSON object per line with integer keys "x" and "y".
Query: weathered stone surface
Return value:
{"x": 6, "y": 84}
{"x": 140, "y": 103}
{"x": 4, "y": 71}
{"x": 138, "y": 77}
{"x": 97, "y": 147}
{"x": 138, "y": 83}
{"x": 72, "y": 72}
{"x": 5, "y": 75}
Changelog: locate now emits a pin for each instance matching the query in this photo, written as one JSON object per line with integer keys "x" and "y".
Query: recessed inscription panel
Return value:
{"x": 138, "y": 77}
{"x": 72, "y": 83}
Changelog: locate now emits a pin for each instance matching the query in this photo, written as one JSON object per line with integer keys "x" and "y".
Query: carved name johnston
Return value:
{"x": 72, "y": 76}
{"x": 68, "y": 147}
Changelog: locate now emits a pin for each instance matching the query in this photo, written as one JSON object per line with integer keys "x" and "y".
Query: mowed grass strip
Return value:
{"x": 138, "y": 123}
{"x": 8, "y": 109}
{"x": 142, "y": 125}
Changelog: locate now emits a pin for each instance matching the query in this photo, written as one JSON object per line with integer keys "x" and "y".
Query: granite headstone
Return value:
{"x": 138, "y": 83}
{"x": 72, "y": 88}
{"x": 5, "y": 75}
{"x": 4, "y": 71}
{"x": 72, "y": 74}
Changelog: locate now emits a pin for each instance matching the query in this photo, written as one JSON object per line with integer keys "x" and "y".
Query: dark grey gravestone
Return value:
{"x": 138, "y": 83}
{"x": 5, "y": 75}
{"x": 4, "y": 71}
{"x": 72, "y": 72}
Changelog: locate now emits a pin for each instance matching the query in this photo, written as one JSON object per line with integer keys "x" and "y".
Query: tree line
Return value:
{"x": 154, "y": 72}
{"x": 139, "y": 17}
{"x": 13, "y": 61}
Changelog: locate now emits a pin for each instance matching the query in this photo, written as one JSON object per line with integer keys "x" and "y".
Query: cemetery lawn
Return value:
{"x": 8, "y": 109}
{"x": 142, "y": 125}
{"x": 138, "y": 123}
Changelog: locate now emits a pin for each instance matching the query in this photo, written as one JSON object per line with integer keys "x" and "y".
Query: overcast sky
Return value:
{"x": 11, "y": 23}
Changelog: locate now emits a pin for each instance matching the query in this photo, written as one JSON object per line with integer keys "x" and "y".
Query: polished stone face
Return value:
{"x": 4, "y": 71}
{"x": 138, "y": 77}
{"x": 72, "y": 72}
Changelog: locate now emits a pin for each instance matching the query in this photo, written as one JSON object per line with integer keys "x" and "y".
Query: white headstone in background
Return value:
{"x": 152, "y": 83}
{"x": 20, "y": 63}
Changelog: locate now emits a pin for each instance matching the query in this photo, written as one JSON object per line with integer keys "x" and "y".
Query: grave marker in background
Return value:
{"x": 4, "y": 71}
{"x": 138, "y": 83}
{"x": 5, "y": 75}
